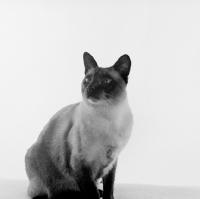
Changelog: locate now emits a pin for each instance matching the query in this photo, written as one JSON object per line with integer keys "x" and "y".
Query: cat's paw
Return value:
{"x": 108, "y": 197}
{"x": 101, "y": 193}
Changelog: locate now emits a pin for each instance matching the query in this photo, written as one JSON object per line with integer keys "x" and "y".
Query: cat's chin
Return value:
{"x": 96, "y": 102}
{"x": 92, "y": 100}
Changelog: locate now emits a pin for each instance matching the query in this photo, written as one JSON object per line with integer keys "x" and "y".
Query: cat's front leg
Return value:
{"x": 108, "y": 183}
{"x": 85, "y": 181}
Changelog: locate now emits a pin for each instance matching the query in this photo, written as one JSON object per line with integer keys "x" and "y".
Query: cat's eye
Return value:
{"x": 87, "y": 80}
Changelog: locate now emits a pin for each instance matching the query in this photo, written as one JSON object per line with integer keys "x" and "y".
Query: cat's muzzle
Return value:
{"x": 92, "y": 93}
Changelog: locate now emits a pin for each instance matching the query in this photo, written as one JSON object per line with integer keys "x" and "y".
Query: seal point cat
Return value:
{"x": 81, "y": 143}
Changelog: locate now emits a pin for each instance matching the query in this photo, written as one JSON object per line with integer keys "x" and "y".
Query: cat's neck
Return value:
{"x": 104, "y": 109}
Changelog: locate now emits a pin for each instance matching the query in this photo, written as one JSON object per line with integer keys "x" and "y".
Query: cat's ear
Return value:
{"x": 89, "y": 62}
{"x": 123, "y": 66}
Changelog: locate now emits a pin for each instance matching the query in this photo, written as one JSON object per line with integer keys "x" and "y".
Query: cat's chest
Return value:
{"x": 107, "y": 138}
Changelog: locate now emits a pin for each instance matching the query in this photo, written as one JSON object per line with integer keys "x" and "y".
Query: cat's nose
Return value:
{"x": 90, "y": 90}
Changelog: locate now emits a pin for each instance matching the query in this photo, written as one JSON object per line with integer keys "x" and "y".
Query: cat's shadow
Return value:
{"x": 68, "y": 195}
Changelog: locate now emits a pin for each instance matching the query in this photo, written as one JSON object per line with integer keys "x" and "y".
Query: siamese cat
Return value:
{"x": 81, "y": 142}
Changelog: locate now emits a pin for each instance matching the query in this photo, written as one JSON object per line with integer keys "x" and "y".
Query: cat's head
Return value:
{"x": 102, "y": 85}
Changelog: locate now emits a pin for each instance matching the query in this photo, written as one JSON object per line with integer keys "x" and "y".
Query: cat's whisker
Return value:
{"x": 109, "y": 95}
{"x": 104, "y": 99}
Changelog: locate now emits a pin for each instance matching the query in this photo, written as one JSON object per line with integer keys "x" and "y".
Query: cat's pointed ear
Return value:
{"x": 89, "y": 62}
{"x": 123, "y": 66}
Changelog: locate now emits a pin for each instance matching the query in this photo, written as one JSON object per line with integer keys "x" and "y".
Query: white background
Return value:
{"x": 41, "y": 69}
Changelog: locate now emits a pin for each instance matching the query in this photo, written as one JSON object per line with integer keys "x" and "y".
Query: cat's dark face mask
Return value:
{"x": 105, "y": 84}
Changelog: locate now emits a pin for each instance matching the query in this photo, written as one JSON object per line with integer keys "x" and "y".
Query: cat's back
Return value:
{"x": 44, "y": 159}
{"x": 55, "y": 130}
{"x": 63, "y": 119}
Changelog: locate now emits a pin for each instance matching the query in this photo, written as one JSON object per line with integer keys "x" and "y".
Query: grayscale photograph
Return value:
{"x": 100, "y": 99}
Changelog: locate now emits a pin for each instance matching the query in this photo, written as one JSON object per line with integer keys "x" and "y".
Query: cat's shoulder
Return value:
{"x": 67, "y": 111}
{"x": 59, "y": 121}
{"x": 61, "y": 118}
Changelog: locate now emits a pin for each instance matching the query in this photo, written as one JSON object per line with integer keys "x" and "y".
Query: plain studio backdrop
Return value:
{"x": 41, "y": 69}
